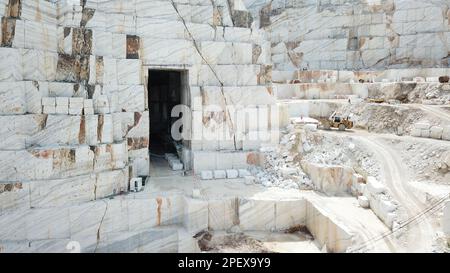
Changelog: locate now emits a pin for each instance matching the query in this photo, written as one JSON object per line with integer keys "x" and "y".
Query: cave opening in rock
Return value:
{"x": 164, "y": 88}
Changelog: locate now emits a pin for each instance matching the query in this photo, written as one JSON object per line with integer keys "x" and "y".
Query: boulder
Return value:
{"x": 446, "y": 133}
{"x": 425, "y": 133}
{"x": 415, "y": 132}
{"x": 436, "y": 132}
{"x": 374, "y": 186}
{"x": 220, "y": 174}
{"x": 329, "y": 179}
{"x": 206, "y": 175}
{"x": 363, "y": 202}
{"x": 422, "y": 125}
{"x": 232, "y": 174}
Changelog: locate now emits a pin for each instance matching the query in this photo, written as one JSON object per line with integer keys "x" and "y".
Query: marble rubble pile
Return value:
{"x": 280, "y": 166}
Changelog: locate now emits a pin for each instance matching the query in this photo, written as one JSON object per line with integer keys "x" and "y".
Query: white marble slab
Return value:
{"x": 12, "y": 98}
{"x": 195, "y": 215}
{"x": 257, "y": 215}
{"x": 10, "y": 64}
{"x": 131, "y": 98}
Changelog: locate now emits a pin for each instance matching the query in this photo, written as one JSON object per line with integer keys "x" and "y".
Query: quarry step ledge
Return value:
{"x": 107, "y": 242}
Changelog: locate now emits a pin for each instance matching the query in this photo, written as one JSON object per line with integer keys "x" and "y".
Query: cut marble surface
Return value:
{"x": 331, "y": 180}
{"x": 131, "y": 98}
{"x": 41, "y": 36}
{"x": 49, "y": 156}
{"x": 226, "y": 53}
{"x": 257, "y": 215}
{"x": 195, "y": 215}
{"x": 38, "y": 164}
{"x": 317, "y": 37}
{"x": 12, "y": 98}
{"x": 168, "y": 51}
{"x": 59, "y": 130}
{"x": 41, "y": 11}
{"x": 10, "y": 64}
{"x": 327, "y": 230}
{"x": 222, "y": 214}
{"x": 290, "y": 213}
{"x": 129, "y": 72}
{"x": 229, "y": 75}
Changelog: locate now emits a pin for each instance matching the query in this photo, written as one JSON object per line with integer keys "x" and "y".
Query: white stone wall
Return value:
{"x": 74, "y": 119}
{"x": 75, "y": 76}
{"x": 357, "y": 34}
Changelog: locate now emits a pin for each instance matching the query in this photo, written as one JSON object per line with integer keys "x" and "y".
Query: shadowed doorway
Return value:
{"x": 164, "y": 93}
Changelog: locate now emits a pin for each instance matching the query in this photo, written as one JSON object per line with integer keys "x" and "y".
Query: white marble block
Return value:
{"x": 12, "y": 98}
{"x": 243, "y": 173}
{"x": 207, "y": 175}
{"x": 220, "y": 174}
{"x": 129, "y": 72}
{"x": 195, "y": 215}
{"x": 119, "y": 46}
{"x": 131, "y": 98}
{"x": 232, "y": 174}
{"x": 102, "y": 43}
{"x": 105, "y": 127}
{"x": 257, "y": 215}
{"x": 222, "y": 214}
{"x": 10, "y": 64}
{"x": 290, "y": 214}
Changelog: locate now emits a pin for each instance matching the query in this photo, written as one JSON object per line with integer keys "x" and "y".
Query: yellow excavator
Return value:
{"x": 335, "y": 121}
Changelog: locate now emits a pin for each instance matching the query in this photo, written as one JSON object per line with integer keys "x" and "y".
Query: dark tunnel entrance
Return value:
{"x": 165, "y": 88}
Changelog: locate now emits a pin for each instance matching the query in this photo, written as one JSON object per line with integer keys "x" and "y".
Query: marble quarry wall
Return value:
{"x": 355, "y": 34}
{"x": 75, "y": 118}
{"x": 73, "y": 87}
{"x": 162, "y": 224}
{"x": 74, "y": 109}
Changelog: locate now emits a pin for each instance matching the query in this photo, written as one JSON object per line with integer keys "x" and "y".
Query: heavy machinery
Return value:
{"x": 377, "y": 100}
{"x": 335, "y": 121}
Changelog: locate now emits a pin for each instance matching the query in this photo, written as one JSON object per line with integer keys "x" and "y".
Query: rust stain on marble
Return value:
{"x": 82, "y": 132}
{"x": 158, "y": 210}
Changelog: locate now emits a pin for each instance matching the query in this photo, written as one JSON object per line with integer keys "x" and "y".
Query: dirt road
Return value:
{"x": 420, "y": 235}
{"x": 396, "y": 177}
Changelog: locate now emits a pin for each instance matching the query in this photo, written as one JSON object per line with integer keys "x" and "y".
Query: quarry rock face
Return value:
{"x": 73, "y": 95}
{"x": 356, "y": 34}
{"x": 333, "y": 180}
{"x": 75, "y": 110}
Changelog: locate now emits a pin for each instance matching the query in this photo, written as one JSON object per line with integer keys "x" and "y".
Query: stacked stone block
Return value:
{"x": 74, "y": 115}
